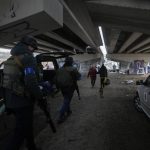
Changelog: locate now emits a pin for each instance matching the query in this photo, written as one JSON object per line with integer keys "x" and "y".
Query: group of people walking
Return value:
{"x": 92, "y": 73}
{"x": 21, "y": 90}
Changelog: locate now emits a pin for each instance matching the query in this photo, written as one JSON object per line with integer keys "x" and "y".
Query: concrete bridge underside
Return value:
{"x": 72, "y": 25}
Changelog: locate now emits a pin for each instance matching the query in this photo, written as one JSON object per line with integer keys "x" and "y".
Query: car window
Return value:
{"x": 48, "y": 65}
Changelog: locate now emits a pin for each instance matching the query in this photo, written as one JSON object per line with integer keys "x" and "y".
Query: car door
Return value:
{"x": 145, "y": 92}
{"x": 147, "y": 96}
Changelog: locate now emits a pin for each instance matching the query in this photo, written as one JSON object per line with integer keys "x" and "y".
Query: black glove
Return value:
{"x": 42, "y": 102}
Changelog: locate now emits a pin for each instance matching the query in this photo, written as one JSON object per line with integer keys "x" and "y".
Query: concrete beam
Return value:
{"x": 139, "y": 45}
{"x": 50, "y": 46}
{"x": 114, "y": 38}
{"x": 86, "y": 57}
{"x": 77, "y": 18}
{"x": 18, "y": 18}
{"x": 6, "y": 47}
{"x": 129, "y": 57}
{"x": 129, "y": 41}
{"x": 122, "y": 24}
{"x": 10, "y": 45}
{"x": 60, "y": 39}
{"x": 144, "y": 5}
{"x": 132, "y": 16}
{"x": 143, "y": 49}
{"x": 45, "y": 49}
{"x": 41, "y": 47}
{"x": 147, "y": 51}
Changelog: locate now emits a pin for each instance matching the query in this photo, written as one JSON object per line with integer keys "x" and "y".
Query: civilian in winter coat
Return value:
{"x": 92, "y": 74}
{"x": 103, "y": 75}
{"x": 68, "y": 87}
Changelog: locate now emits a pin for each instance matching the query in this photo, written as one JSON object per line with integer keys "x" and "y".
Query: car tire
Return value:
{"x": 137, "y": 103}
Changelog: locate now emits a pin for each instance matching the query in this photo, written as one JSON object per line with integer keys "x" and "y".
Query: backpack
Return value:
{"x": 64, "y": 78}
{"x": 13, "y": 77}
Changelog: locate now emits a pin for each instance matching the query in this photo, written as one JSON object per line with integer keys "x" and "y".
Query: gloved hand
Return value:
{"x": 42, "y": 102}
{"x": 41, "y": 87}
{"x": 46, "y": 88}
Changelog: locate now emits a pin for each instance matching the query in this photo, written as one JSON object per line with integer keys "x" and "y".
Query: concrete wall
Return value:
{"x": 129, "y": 57}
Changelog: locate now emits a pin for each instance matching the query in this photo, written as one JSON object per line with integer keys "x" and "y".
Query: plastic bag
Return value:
{"x": 107, "y": 81}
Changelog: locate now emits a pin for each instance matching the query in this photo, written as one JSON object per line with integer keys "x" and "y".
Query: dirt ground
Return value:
{"x": 109, "y": 123}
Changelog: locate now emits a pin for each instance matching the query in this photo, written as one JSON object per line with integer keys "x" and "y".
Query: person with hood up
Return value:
{"x": 21, "y": 91}
{"x": 66, "y": 78}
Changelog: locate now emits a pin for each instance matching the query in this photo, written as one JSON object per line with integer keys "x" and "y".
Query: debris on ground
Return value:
{"x": 127, "y": 82}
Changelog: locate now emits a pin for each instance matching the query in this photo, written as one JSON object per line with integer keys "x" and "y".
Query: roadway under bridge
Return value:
{"x": 109, "y": 123}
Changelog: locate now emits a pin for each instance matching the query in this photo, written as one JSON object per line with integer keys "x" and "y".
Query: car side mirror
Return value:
{"x": 139, "y": 82}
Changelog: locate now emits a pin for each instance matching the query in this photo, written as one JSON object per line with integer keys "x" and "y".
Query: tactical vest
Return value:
{"x": 13, "y": 77}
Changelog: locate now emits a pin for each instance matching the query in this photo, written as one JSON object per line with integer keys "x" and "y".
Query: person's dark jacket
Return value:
{"x": 103, "y": 71}
{"x": 30, "y": 81}
{"x": 74, "y": 74}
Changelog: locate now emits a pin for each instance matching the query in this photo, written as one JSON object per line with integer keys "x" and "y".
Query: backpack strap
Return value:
{"x": 18, "y": 62}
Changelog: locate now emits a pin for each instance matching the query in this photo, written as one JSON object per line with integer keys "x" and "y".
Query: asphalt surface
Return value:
{"x": 109, "y": 123}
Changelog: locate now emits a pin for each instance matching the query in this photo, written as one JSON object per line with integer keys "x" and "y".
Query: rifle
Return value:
{"x": 77, "y": 89}
{"x": 45, "y": 109}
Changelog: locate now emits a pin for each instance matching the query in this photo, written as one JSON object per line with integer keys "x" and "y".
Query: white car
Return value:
{"x": 142, "y": 97}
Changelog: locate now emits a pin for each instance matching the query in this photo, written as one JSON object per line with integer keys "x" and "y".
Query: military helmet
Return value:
{"x": 29, "y": 40}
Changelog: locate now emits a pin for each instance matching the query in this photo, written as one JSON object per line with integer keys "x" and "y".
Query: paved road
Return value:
{"x": 109, "y": 123}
